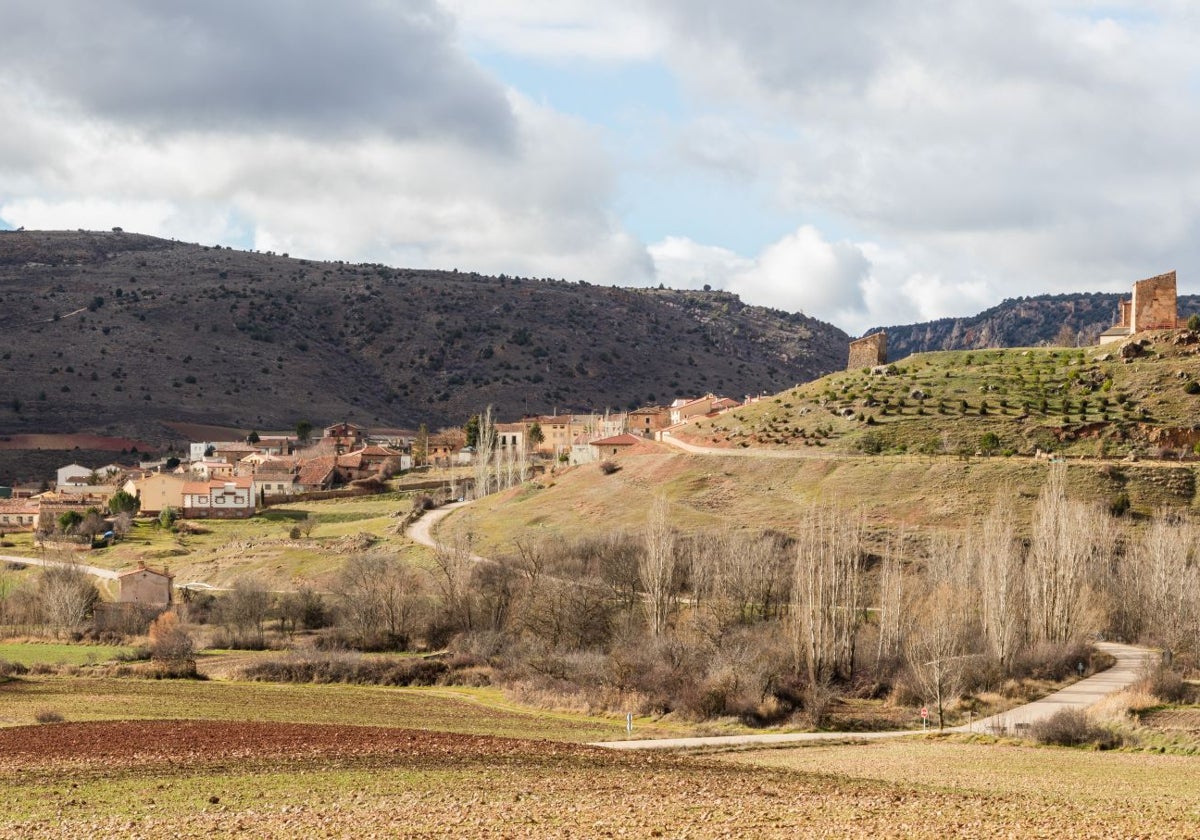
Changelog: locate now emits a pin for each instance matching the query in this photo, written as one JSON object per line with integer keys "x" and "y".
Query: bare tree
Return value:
{"x": 485, "y": 446}
{"x": 243, "y": 611}
{"x": 825, "y": 592}
{"x": 1071, "y": 541}
{"x": 66, "y": 596}
{"x": 1164, "y": 581}
{"x": 452, "y": 568}
{"x": 1001, "y": 576}
{"x": 891, "y": 602}
{"x": 935, "y": 646}
{"x": 378, "y": 597}
{"x": 656, "y": 568}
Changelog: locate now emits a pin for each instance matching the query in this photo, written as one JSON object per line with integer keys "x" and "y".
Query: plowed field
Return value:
{"x": 185, "y": 779}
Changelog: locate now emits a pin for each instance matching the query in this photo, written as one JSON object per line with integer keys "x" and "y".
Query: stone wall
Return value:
{"x": 868, "y": 352}
{"x": 1154, "y": 306}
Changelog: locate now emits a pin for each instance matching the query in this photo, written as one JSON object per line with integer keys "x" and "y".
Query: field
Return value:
{"x": 198, "y": 779}
{"x": 49, "y": 653}
{"x": 480, "y": 711}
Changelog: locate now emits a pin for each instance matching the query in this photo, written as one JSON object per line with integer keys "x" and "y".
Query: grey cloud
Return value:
{"x": 322, "y": 68}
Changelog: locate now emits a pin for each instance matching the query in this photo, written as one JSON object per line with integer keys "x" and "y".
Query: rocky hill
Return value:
{"x": 1019, "y": 322}
{"x": 119, "y": 332}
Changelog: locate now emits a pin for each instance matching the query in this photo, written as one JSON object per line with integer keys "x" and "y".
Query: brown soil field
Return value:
{"x": 83, "y": 440}
{"x": 194, "y": 779}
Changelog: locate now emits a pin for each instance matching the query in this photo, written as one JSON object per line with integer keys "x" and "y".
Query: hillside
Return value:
{"x": 1018, "y": 322}
{"x": 1085, "y": 401}
{"x": 119, "y": 332}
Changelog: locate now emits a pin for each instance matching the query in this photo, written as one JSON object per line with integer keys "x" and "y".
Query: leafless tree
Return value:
{"x": 66, "y": 596}
{"x": 452, "y": 571}
{"x": 657, "y": 567}
{"x": 935, "y": 646}
{"x": 891, "y": 601}
{"x": 378, "y": 597}
{"x": 243, "y": 611}
{"x": 1071, "y": 541}
{"x": 1001, "y": 576}
{"x": 485, "y": 446}
{"x": 1163, "y": 580}
{"x": 825, "y": 592}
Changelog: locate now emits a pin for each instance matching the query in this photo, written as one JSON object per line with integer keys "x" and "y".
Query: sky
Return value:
{"x": 867, "y": 163}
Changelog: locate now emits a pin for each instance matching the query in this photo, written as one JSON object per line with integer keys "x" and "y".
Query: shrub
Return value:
{"x": 1072, "y": 728}
{"x": 1165, "y": 684}
{"x": 48, "y": 716}
{"x": 609, "y": 467}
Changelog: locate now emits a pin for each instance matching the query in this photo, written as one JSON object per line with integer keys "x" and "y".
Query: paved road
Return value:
{"x": 94, "y": 571}
{"x": 1130, "y": 661}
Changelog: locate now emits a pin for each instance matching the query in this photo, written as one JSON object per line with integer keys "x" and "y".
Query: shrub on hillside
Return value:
{"x": 609, "y": 467}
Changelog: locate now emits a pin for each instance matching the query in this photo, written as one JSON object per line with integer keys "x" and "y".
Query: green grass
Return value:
{"x": 48, "y": 653}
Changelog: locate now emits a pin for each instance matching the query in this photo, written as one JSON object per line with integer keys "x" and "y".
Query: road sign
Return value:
{"x": 924, "y": 711}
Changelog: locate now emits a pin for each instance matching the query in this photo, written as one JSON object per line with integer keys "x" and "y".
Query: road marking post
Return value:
{"x": 629, "y": 723}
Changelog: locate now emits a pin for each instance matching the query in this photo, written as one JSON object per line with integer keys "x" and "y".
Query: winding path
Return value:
{"x": 94, "y": 571}
{"x": 1080, "y": 695}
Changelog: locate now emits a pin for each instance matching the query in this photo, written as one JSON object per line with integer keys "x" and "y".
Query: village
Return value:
{"x": 234, "y": 479}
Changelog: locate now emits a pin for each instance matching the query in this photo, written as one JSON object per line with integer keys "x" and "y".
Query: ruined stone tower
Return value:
{"x": 868, "y": 351}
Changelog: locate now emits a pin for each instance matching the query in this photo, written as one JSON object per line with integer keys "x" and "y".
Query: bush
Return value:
{"x": 609, "y": 467}
{"x": 1165, "y": 684}
{"x": 1072, "y": 728}
{"x": 48, "y": 716}
{"x": 351, "y": 668}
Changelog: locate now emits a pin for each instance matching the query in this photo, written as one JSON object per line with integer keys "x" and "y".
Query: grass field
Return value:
{"x": 48, "y": 653}
{"x": 480, "y": 711}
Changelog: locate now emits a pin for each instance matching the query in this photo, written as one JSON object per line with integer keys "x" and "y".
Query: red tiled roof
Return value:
{"x": 618, "y": 440}
{"x": 159, "y": 572}
{"x": 315, "y": 472}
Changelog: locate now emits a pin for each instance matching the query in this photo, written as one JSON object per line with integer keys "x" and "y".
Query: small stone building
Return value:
{"x": 868, "y": 352}
{"x": 1153, "y": 306}
{"x": 146, "y": 587}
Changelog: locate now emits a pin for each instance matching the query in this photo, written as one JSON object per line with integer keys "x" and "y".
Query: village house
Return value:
{"x": 209, "y": 469}
{"x": 1152, "y": 306}
{"x": 232, "y": 453}
{"x": 616, "y": 445}
{"x": 317, "y": 474}
{"x": 157, "y": 492}
{"x": 146, "y": 587}
{"x": 231, "y": 498}
{"x": 273, "y": 480}
{"x": 71, "y": 474}
{"x": 683, "y": 409}
{"x": 344, "y": 437}
{"x": 649, "y": 419}
{"x": 18, "y": 515}
{"x": 511, "y": 436}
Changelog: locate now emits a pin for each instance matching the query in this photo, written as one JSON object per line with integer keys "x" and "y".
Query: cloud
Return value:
{"x": 323, "y": 69}
{"x": 799, "y": 273}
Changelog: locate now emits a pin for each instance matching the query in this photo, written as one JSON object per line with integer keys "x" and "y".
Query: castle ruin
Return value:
{"x": 1152, "y": 307}
{"x": 868, "y": 352}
